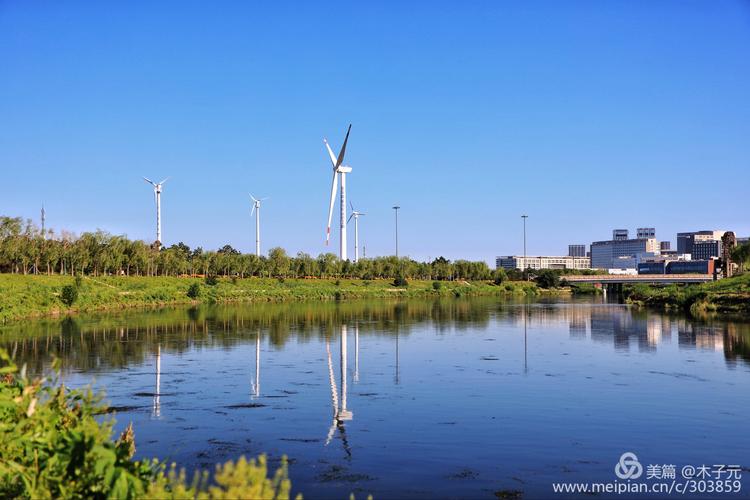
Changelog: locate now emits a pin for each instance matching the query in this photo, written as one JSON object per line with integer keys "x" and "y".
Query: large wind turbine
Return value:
{"x": 356, "y": 215}
{"x": 338, "y": 168}
{"x": 157, "y": 197}
{"x": 256, "y": 209}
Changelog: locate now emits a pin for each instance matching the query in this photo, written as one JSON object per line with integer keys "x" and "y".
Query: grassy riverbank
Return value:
{"x": 34, "y": 296}
{"x": 730, "y": 295}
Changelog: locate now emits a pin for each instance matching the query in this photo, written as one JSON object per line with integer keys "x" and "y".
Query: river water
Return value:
{"x": 462, "y": 398}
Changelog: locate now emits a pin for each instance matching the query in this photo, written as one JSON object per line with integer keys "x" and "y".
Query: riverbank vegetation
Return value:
{"x": 730, "y": 295}
{"x": 34, "y": 296}
{"x": 55, "y": 444}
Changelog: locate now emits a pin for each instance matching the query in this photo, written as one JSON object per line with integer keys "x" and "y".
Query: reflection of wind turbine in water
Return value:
{"x": 256, "y": 382}
{"x": 356, "y": 352}
{"x": 340, "y": 413}
{"x": 157, "y": 404}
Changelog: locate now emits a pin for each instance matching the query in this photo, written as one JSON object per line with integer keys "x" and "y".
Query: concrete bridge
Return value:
{"x": 613, "y": 283}
{"x": 649, "y": 279}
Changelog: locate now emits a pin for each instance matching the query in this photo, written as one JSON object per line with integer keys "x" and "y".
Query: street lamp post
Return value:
{"x": 396, "y": 207}
{"x": 525, "y": 264}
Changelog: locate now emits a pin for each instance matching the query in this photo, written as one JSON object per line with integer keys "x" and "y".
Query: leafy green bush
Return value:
{"x": 69, "y": 294}
{"x": 548, "y": 278}
{"x": 194, "y": 291}
{"x": 211, "y": 280}
{"x": 500, "y": 276}
{"x": 436, "y": 285}
{"x": 400, "y": 281}
{"x": 52, "y": 445}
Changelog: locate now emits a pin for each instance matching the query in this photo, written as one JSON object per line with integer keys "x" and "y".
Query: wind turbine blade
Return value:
{"x": 266, "y": 198}
{"x": 253, "y": 197}
{"x": 351, "y": 205}
{"x": 149, "y": 181}
{"x": 165, "y": 180}
{"x": 343, "y": 148}
{"x": 350, "y": 218}
{"x": 330, "y": 153}
{"x": 334, "y": 184}
{"x": 252, "y": 210}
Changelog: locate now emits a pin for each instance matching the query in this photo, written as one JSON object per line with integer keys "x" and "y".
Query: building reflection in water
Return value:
{"x": 341, "y": 413}
{"x": 255, "y": 382}
{"x": 156, "y": 410}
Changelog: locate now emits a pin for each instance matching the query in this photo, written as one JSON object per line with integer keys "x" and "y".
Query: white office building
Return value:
{"x": 542, "y": 262}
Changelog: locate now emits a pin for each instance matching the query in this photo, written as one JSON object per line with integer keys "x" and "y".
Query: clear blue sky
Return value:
{"x": 585, "y": 115}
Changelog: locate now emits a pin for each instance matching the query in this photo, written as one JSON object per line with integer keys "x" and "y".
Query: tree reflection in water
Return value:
{"x": 105, "y": 341}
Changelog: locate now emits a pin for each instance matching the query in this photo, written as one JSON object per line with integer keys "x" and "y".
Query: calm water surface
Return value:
{"x": 457, "y": 398}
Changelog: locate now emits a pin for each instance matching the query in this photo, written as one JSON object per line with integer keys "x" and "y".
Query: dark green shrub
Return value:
{"x": 194, "y": 291}
{"x": 211, "y": 280}
{"x": 338, "y": 283}
{"x": 436, "y": 285}
{"x": 547, "y": 278}
{"x": 500, "y": 276}
{"x": 338, "y": 295}
{"x": 400, "y": 281}
{"x": 69, "y": 294}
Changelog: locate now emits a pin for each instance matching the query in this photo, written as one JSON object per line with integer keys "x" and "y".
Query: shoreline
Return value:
{"x": 729, "y": 296}
{"x": 25, "y": 297}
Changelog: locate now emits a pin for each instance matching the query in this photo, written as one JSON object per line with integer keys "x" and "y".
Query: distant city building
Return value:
{"x": 542, "y": 262}
{"x": 665, "y": 246}
{"x": 576, "y": 250}
{"x": 644, "y": 233}
{"x": 677, "y": 267}
{"x": 686, "y": 240}
{"x": 619, "y": 253}
{"x": 619, "y": 234}
{"x": 706, "y": 249}
{"x": 691, "y": 267}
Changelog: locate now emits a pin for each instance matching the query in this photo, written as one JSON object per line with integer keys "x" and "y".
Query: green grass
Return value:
{"x": 33, "y": 296}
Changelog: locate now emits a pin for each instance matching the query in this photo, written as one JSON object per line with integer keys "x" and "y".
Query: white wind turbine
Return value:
{"x": 157, "y": 197}
{"x": 338, "y": 168}
{"x": 256, "y": 209}
{"x": 356, "y": 215}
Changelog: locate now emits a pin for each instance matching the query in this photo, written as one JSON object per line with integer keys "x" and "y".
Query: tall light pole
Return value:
{"x": 524, "y": 217}
{"x": 396, "y": 207}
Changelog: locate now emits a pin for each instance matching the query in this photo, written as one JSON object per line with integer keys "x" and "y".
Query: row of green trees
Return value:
{"x": 25, "y": 249}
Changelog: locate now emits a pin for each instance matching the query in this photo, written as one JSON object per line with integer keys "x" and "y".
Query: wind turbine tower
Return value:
{"x": 157, "y": 197}
{"x": 256, "y": 209}
{"x": 355, "y": 214}
{"x": 342, "y": 170}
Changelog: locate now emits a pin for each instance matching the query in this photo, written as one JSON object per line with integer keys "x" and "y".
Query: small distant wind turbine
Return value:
{"x": 157, "y": 197}
{"x": 256, "y": 209}
{"x": 356, "y": 215}
{"x": 338, "y": 168}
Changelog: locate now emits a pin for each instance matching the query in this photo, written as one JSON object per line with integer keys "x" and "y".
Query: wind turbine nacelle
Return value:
{"x": 344, "y": 169}
{"x": 344, "y": 415}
